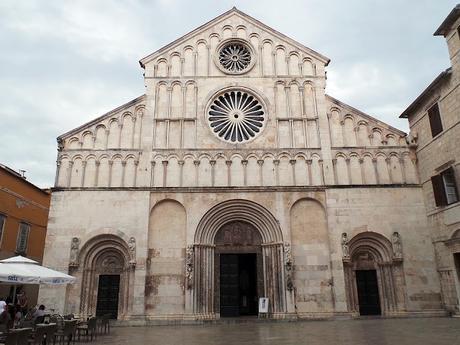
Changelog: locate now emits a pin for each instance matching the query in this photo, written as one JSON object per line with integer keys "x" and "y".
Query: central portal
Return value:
{"x": 238, "y": 270}
{"x": 238, "y": 284}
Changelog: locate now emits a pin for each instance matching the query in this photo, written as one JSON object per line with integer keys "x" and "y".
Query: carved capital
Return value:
{"x": 165, "y": 163}
{"x": 244, "y": 162}
{"x": 260, "y": 162}
{"x": 276, "y": 162}
{"x": 228, "y": 163}
{"x": 292, "y": 161}
{"x": 181, "y": 162}
{"x": 196, "y": 162}
{"x": 212, "y": 162}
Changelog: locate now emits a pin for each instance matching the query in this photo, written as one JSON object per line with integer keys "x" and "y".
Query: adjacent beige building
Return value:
{"x": 434, "y": 119}
{"x": 236, "y": 177}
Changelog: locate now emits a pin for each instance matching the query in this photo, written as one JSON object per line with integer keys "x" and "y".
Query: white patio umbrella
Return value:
{"x": 21, "y": 270}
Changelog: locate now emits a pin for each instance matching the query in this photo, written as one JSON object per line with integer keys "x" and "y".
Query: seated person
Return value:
{"x": 39, "y": 314}
{"x": 17, "y": 316}
{"x": 5, "y": 316}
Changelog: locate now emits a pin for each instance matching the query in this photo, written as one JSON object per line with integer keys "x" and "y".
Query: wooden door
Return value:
{"x": 229, "y": 296}
{"x": 107, "y": 295}
{"x": 368, "y": 292}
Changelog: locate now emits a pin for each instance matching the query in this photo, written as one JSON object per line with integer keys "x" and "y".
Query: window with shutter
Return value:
{"x": 23, "y": 237}
{"x": 2, "y": 225}
{"x": 435, "y": 120}
{"x": 438, "y": 190}
{"x": 445, "y": 187}
{"x": 450, "y": 187}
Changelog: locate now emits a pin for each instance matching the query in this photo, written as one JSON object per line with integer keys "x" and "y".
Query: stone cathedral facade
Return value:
{"x": 234, "y": 177}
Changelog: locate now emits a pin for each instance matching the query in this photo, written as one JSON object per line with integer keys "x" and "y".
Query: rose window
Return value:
{"x": 235, "y": 57}
{"x": 236, "y": 116}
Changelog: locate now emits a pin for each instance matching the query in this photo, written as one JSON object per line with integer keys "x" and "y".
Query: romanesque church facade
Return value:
{"x": 234, "y": 177}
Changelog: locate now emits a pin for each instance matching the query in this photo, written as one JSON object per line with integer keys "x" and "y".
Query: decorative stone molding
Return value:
{"x": 189, "y": 258}
{"x": 397, "y": 246}
{"x": 345, "y": 247}
{"x": 288, "y": 266}
{"x": 132, "y": 251}
{"x": 74, "y": 251}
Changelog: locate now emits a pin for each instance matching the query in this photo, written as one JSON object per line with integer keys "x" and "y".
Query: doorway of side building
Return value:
{"x": 107, "y": 295}
{"x": 457, "y": 268}
{"x": 238, "y": 284}
{"x": 368, "y": 292}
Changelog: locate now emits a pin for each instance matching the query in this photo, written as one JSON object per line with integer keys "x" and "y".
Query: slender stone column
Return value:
{"x": 244, "y": 162}
{"x": 165, "y": 172}
{"x": 69, "y": 175}
{"x": 310, "y": 178}
{"x": 260, "y": 162}
{"x": 292, "y": 162}
{"x": 229, "y": 172}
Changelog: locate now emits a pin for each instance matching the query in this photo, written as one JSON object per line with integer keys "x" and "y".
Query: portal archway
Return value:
{"x": 372, "y": 268}
{"x": 238, "y": 269}
{"x": 254, "y": 216}
{"x": 104, "y": 258}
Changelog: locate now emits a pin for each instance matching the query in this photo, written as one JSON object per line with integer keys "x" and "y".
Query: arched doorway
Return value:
{"x": 235, "y": 217}
{"x": 374, "y": 278}
{"x": 106, "y": 269}
{"x": 450, "y": 275}
{"x": 238, "y": 269}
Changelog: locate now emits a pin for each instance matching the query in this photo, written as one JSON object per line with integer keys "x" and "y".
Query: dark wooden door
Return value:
{"x": 368, "y": 292}
{"x": 229, "y": 295}
{"x": 107, "y": 295}
{"x": 247, "y": 276}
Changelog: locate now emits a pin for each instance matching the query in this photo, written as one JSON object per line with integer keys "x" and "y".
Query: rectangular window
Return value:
{"x": 2, "y": 225}
{"x": 445, "y": 188}
{"x": 435, "y": 120}
{"x": 23, "y": 238}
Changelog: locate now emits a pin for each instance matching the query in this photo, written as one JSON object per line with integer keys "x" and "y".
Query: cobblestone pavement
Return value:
{"x": 436, "y": 331}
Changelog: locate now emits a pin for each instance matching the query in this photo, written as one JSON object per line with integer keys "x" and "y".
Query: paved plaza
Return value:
{"x": 423, "y": 331}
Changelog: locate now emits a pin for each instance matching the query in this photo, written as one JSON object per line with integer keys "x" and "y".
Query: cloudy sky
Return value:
{"x": 63, "y": 63}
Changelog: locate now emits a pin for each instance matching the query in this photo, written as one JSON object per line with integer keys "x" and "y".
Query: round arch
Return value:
{"x": 238, "y": 210}
{"x": 242, "y": 210}
{"x": 371, "y": 251}
{"x": 104, "y": 254}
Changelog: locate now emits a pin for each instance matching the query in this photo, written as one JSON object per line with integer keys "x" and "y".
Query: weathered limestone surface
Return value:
{"x": 146, "y": 188}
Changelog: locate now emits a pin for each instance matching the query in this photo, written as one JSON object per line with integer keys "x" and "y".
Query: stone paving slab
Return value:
{"x": 422, "y": 331}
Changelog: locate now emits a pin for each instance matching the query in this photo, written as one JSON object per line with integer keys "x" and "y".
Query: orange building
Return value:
{"x": 24, "y": 211}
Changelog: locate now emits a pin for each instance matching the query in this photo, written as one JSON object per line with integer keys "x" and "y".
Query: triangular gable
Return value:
{"x": 219, "y": 19}
{"x": 368, "y": 118}
{"x": 137, "y": 101}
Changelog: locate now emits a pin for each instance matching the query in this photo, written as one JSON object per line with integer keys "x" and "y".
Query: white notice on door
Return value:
{"x": 263, "y": 305}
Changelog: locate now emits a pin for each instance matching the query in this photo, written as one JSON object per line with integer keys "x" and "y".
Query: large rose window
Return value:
{"x": 236, "y": 116}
